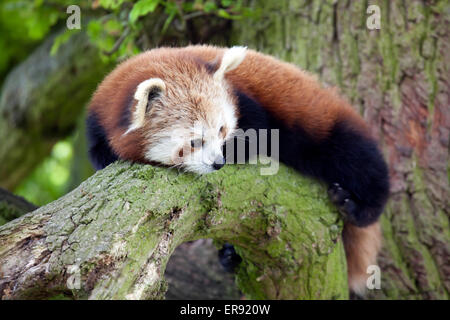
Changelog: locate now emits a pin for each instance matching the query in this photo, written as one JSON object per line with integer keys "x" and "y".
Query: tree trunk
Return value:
{"x": 398, "y": 79}
{"x": 111, "y": 237}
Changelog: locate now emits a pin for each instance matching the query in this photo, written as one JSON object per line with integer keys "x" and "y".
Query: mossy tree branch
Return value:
{"x": 116, "y": 231}
{"x": 397, "y": 77}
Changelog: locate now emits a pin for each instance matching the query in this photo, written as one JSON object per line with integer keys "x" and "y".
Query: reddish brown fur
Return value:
{"x": 287, "y": 92}
{"x": 361, "y": 247}
{"x": 291, "y": 94}
{"x": 118, "y": 87}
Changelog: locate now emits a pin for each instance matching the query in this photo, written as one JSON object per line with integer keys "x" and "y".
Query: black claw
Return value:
{"x": 332, "y": 190}
{"x": 352, "y": 210}
{"x": 332, "y": 187}
{"x": 337, "y": 194}
{"x": 349, "y": 205}
{"x": 343, "y": 200}
{"x": 349, "y": 210}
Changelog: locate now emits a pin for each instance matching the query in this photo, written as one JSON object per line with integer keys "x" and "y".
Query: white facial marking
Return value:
{"x": 193, "y": 111}
{"x": 200, "y": 159}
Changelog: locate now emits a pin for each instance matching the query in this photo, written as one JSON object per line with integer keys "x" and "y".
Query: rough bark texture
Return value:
{"x": 193, "y": 271}
{"x": 111, "y": 237}
{"x": 398, "y": 78}
{"x": 40, "y": 103}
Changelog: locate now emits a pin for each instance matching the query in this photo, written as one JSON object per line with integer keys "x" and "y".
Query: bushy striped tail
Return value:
{"x": 361, "y": 247}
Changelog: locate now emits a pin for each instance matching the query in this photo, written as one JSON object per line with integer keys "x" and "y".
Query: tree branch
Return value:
{"x": 112, "y": 237}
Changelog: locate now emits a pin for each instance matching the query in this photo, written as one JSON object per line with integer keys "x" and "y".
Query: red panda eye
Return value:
{"x": 197, "y": 143}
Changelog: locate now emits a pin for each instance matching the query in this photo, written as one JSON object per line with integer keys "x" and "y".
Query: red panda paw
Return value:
{"x": 228, "y": 258}
{"x": 342, "y": 199}
{"x": 337, "y": 194}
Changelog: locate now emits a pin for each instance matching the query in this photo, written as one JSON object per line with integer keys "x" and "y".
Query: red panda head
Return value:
{"x": 185, "y": 114}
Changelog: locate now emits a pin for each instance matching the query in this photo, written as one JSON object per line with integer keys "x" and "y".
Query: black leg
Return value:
{"x": 228, "y": 258}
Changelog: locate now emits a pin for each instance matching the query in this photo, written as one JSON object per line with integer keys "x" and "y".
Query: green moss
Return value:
{"x": 61, "y": 296}
{"x": 122, "y": 224}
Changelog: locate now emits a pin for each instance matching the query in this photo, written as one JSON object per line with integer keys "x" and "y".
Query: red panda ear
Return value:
{"x": 231, "y": 59}
{"x": 145, "y": 92}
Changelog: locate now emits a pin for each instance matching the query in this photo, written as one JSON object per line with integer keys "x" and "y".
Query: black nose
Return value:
{"x": 218, "y": 163}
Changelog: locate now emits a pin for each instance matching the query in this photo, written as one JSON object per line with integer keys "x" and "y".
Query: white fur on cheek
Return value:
{"x": 162, "y": 152}
{"x": 166, "y": 144}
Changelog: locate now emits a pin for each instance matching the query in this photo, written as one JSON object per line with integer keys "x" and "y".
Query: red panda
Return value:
{"x": 204, "y": 93}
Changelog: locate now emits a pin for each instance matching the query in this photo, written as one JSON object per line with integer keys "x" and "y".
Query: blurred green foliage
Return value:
{"x": 115, "y": 27}
{"x": 23, "y": 25}
{"x": 49, "y": 180}
{"x": 119, "y": 23}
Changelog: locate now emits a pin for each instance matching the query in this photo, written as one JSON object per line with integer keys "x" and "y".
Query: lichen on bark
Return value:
{"x": 118, "y": 229}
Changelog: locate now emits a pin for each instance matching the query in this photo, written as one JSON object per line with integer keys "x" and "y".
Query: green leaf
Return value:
{"x": 141, "y": 8}
{"x": 168, "y": 21}
{"x": 187, "y": 6}
{"x": 224, "y": 14}
{"x": 226, "y": 3}
{"x": 209, "y": 6}
{"x": 94, "y": 30}
{"x": 40, "y": 22}
{"x": 111, "y": 4}
{"x": 113, "y": 26}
